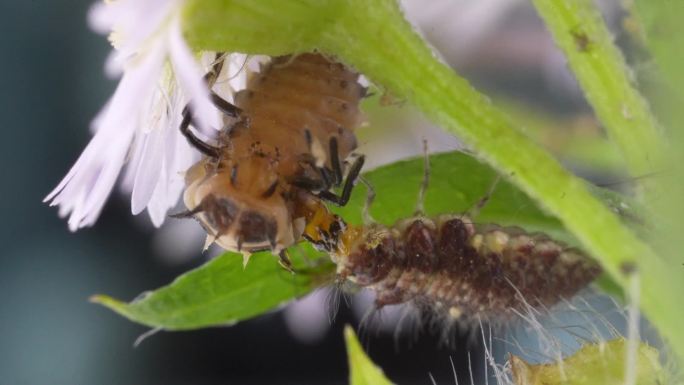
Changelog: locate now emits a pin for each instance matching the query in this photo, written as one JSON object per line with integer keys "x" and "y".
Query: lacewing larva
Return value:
{"x": 450, "y": 264}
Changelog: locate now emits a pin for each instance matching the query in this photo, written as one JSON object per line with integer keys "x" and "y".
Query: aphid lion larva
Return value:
{"x": 451, "y": 265}
{"x": 286, "y": 141}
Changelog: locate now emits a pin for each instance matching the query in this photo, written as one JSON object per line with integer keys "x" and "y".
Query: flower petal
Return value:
{"x": 139, "y": 124}
{"x": 191, "y": 80}
{"x": 89, "y": 182}
{"x": 149, "y": 170}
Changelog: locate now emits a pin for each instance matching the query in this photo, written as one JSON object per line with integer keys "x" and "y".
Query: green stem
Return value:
{"x": 606, "y": 80}
{"x": 375, "y": 38}
{"x": 658, "y": 25}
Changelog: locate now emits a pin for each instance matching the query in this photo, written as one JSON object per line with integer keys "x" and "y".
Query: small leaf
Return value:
{"x": 362, "y": 371}
{"x": 221, "y": 292}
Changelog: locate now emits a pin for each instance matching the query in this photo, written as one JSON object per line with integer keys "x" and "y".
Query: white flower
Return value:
{"x": 138, "y": 127}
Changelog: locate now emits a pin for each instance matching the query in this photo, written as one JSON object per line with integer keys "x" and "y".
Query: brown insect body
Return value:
{"x": 294, "y": 129}
{"x": 456, "y": 268}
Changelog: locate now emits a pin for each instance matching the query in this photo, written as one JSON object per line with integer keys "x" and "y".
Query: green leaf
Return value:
{"x": 362, "y": 371}
{"x": 221, "y": 292}
{"x": 458, "y": 182}
{"x": 602, "y": 363}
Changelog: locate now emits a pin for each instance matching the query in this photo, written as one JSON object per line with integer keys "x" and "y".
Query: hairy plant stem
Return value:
{"x": 600, "y": 68}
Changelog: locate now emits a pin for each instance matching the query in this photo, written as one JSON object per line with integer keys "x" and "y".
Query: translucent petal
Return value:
{"x": 179, "y": 156}
{"x": 190, "y": 78}
{"x": 139, "y": 124}
{"x": 149, "y": 170}
{"x": 135, "y": 154}
{"x": 96, "y": 198}
{"x": 157, "y": 207}
{"x": 89, "y": 182}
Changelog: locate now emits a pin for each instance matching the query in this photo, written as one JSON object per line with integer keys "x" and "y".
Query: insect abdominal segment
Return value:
{"x": 285, "y": 144}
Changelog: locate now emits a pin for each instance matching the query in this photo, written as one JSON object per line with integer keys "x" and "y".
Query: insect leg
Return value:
{"x": 285, "y": 262}
{"x": 420, "y": 204}
{"x": 335, "y": 161}
{"x": 211, "y": 76}
{"x": 475, "y": 210}
{"x": 311, "y": 177}
{"x": 308, "y": 183}
{"x": 194, "y": 141}
{"x": 220, "y": 103}
{"x": 224, "y": 106}
{"x": 343, "y": 198}
{"x": 370, "y": 197}
{"x": 188, "y": 119}
{"x": 328, "y": 180}
{"x": 189, "y": 213}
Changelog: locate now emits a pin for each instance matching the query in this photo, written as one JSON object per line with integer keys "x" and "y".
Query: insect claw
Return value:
{"x": 285, "y": 262}
{"x": 187, "y": 213}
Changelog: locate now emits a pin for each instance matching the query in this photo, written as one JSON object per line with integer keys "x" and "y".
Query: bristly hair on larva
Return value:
{"x": 461, "y": 270}
{"x": 451, "y": 267}
{"x": 287, "y": 141}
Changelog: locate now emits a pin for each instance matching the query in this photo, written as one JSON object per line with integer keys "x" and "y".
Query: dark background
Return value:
{"x": 51, "y": 85}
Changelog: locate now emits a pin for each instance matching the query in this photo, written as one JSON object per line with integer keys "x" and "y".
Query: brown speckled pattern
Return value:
{"x": 448, "y": 264}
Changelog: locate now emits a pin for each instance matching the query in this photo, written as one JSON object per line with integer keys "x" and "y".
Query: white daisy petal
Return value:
{"x": 156, "y": 210}
{"x": 162, "y": 198}
{"x": 179, "y": 156}
{"x": 138, "y": 127}
{"x": 148, "y": 171}
{"x": 191, "y": 80}
{"x": 135, "y": 154}
{"x": 103, "y": 186}
{"x": 114, "y": 64}
{"x": 101, "y": 17}
{"x": 96, "y": 171}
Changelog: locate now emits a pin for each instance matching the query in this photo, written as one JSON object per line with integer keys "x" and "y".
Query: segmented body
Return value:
{"x": 460, "y": 270}
{"x": 289, "y": 142}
